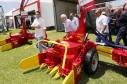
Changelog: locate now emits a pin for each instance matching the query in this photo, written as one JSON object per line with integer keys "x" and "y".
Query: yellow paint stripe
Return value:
{"x": 104, "y": 54}
{"x": 104, "y": 49}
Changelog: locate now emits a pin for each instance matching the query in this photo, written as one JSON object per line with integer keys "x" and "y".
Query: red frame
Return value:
{"x": 38, "y": 5}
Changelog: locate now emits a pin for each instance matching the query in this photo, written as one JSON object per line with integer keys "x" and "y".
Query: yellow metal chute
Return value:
{"x": 29, "y": 63}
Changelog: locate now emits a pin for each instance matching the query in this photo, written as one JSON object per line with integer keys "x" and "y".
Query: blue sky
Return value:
{"x": 8, "y": 5}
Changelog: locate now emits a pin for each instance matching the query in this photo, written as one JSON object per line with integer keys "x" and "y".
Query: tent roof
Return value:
{"x": 9, "y": 13}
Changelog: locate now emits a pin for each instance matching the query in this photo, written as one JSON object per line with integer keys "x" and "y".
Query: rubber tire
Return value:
{"x": 88, "y": 61}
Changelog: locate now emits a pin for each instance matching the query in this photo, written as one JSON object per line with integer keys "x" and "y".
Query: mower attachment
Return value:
{"x": 119, "y": 55}
{"x": 52, "y": 62}
{"x": 13, "y": 42}
{"x": 64, "y": 59}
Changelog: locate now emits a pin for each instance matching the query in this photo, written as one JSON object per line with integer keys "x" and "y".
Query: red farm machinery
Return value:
{"x": 19, "y": 39}
{"x": 67, "y": 58}
{"x": 76, "y": 52}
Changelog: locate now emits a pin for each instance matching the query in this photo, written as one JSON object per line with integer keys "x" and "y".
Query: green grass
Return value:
{"x": 10, "y": 73}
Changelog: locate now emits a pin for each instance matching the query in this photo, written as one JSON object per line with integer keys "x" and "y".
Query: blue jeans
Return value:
{"x": 105, "y": 36}
{"x": 122, "y": 35}
{"x": 39, "y": 45}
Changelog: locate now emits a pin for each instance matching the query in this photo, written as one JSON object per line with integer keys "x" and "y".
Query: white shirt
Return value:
{"x": 68, "y": 26}
{"x": 100, "y": 21}
{"x": 39, "y": 30}
{"x": 75, "y": 23}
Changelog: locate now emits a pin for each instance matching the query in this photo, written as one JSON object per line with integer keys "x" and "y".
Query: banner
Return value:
{"x": 87, "y": 5}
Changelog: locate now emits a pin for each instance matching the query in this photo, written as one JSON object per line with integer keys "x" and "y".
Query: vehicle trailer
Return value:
{"x": 18, "y": 39}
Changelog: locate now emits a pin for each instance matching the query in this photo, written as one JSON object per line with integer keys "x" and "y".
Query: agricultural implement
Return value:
{"x": 67, "y": 58}
{"x": 18, "y": 39}
{"x": 15, "y": 40}
{"x": 118, "y": 53}
{"x": 74, "y": 54}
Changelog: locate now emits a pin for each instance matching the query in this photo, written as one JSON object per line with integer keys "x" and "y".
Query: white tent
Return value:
{"x": 9, "y": 13}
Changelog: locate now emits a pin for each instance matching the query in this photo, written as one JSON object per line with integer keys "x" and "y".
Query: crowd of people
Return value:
{"x": 104, "y": 25}
{"x": 70, "y": 24}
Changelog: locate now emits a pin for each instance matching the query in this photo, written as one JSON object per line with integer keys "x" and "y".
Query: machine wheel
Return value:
{"x": 91, "y": 61}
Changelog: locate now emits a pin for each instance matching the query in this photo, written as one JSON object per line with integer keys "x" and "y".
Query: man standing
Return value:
{"x": 101, "y": 24}
{"x": 28, "y": 24}
{"x": 40, "y": 31}
{"x": 67, "y": 23}
{"x": 74, "y": 21}
{"x": 122, "y": 25}
{"x": 109, "y": 21}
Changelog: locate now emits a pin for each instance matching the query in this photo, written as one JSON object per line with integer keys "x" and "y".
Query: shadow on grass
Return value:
{"x": 103, "y": 67}
{"x": 116, "y": 68}
{"x": 36, "y": 69}
{"x": 31, "y": 70}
